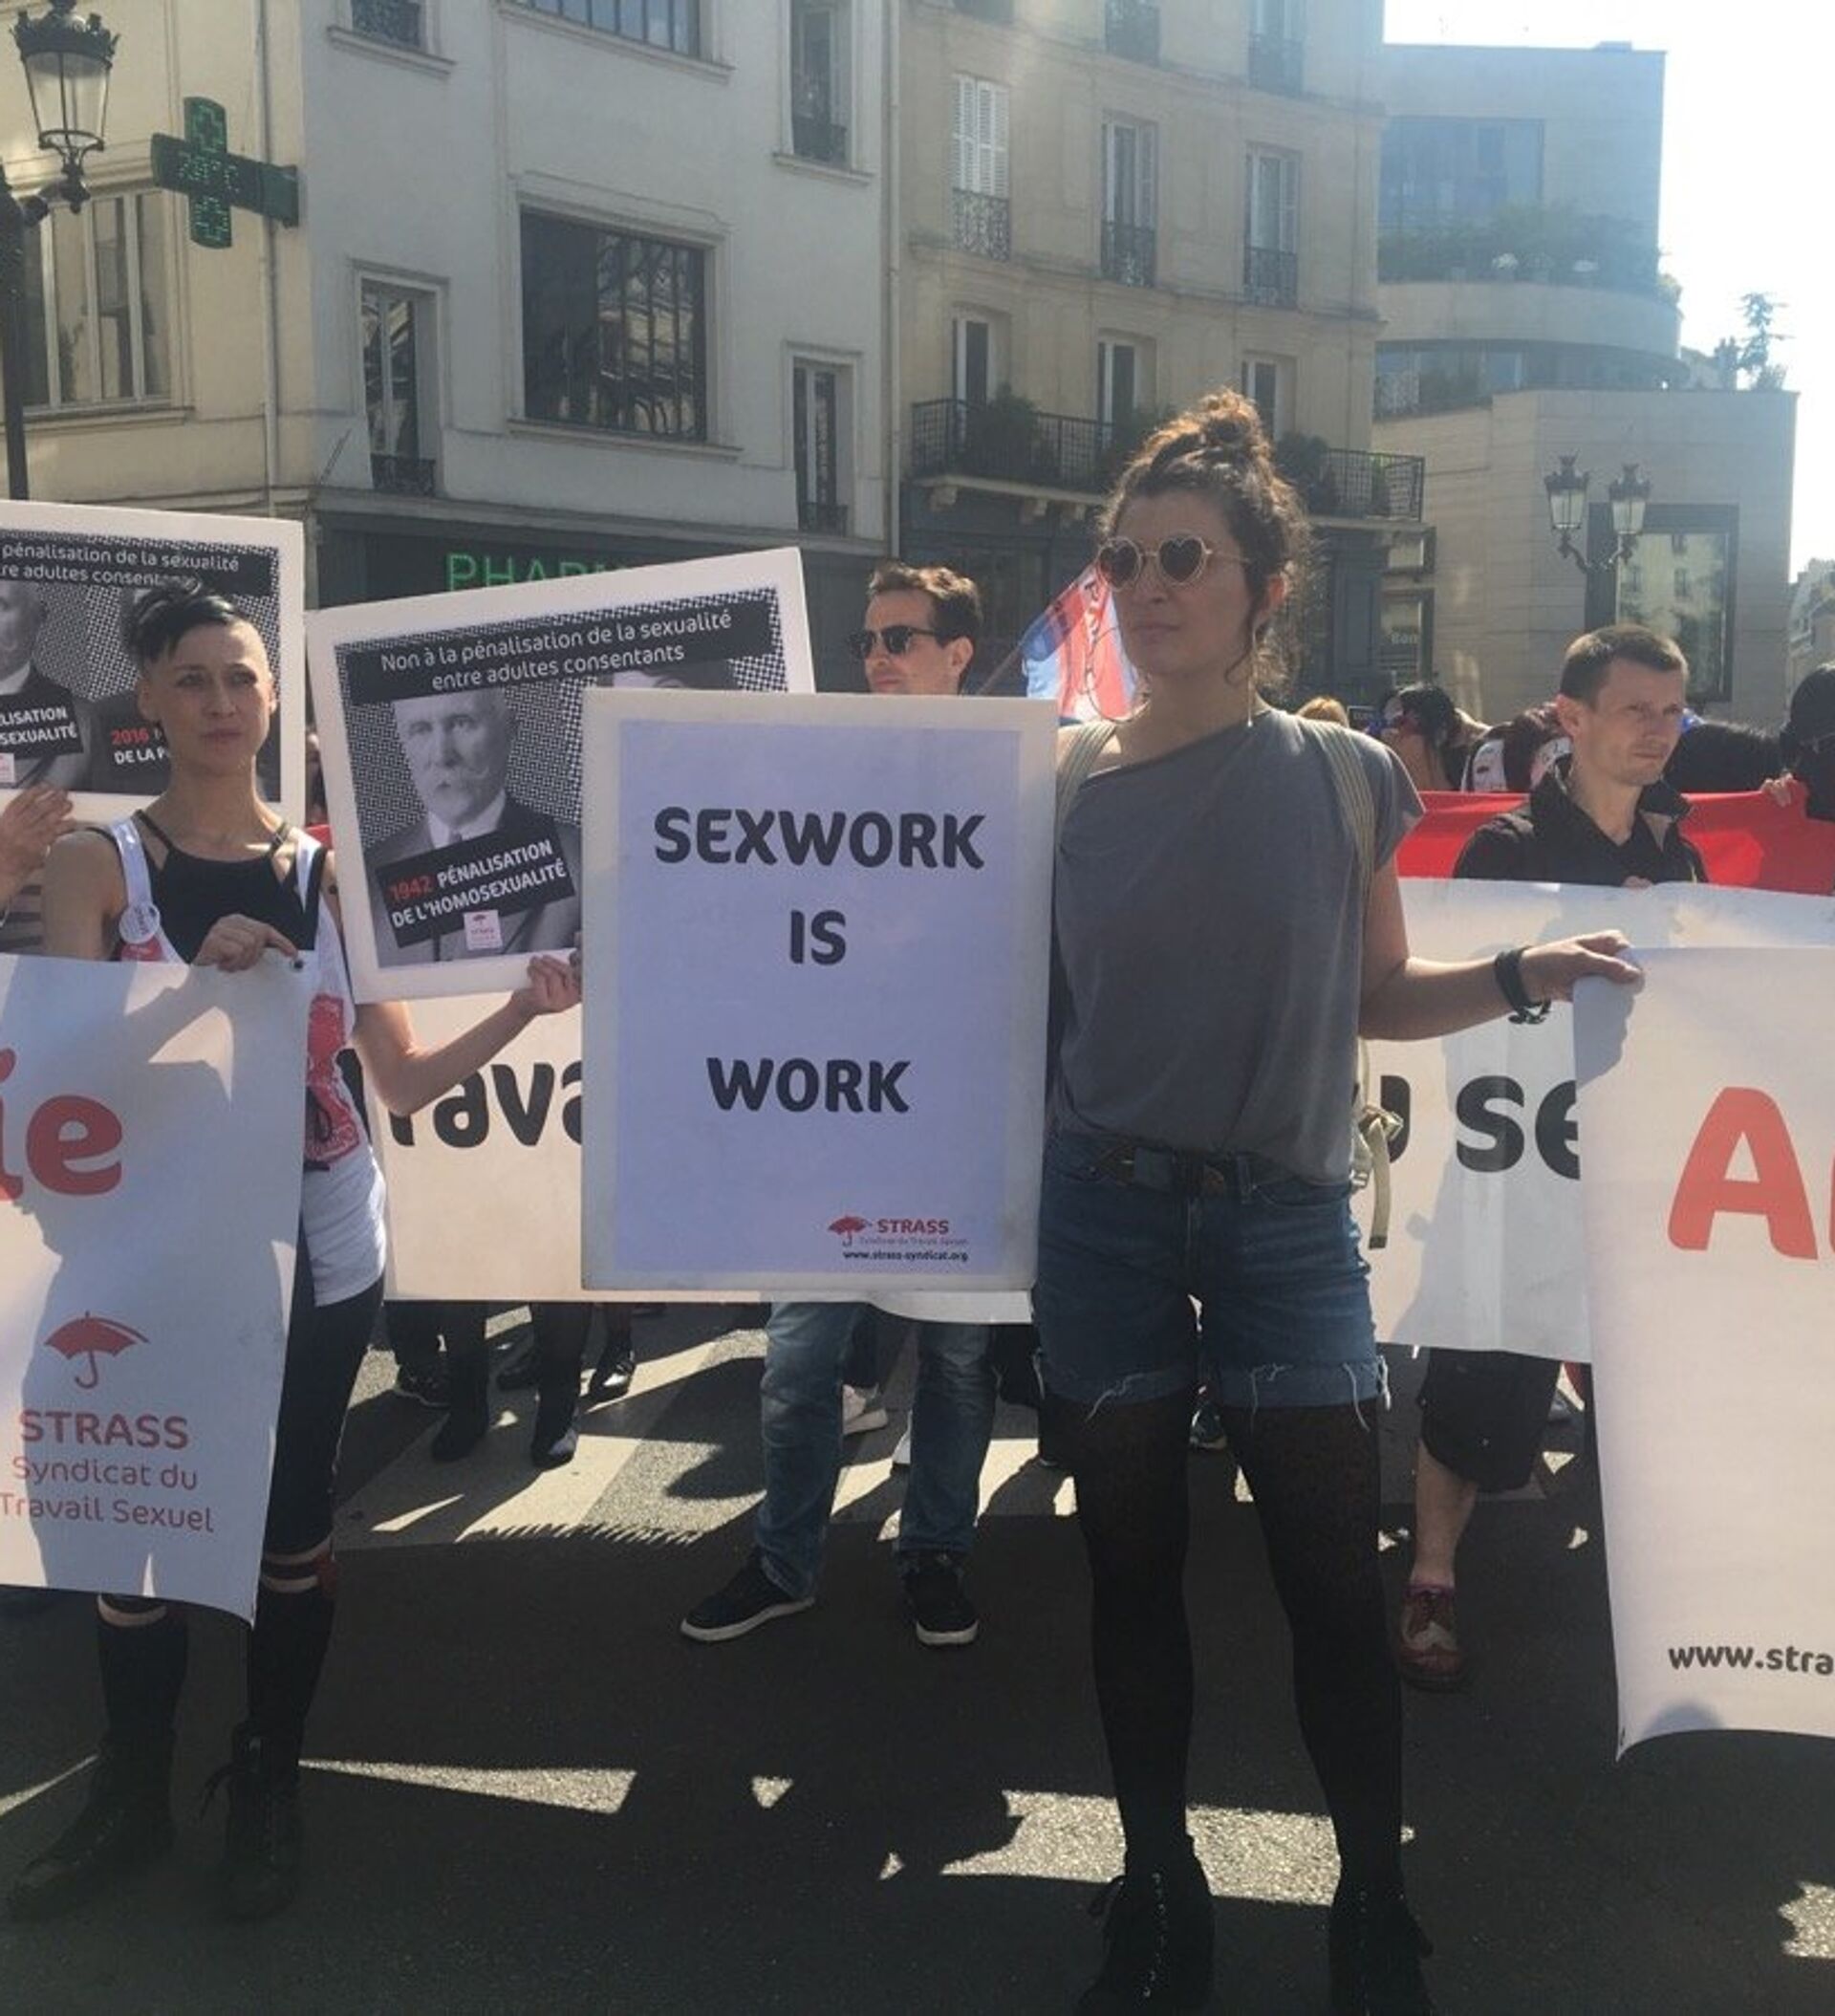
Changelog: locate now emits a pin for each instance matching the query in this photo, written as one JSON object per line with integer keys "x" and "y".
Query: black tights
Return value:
{"x": 141, "y": 1642}
{"x": 1313, "y": 1471}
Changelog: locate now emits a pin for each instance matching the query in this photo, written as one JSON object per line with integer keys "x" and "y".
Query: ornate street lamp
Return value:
{"x": 67, "y": 63}
{"x": 1566, "y": 487}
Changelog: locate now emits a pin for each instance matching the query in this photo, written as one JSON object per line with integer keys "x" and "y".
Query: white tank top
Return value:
{"x": 341, "y": 1193}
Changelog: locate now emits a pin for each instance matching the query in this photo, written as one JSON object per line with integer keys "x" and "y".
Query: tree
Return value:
{"x": 1749, "y": 359}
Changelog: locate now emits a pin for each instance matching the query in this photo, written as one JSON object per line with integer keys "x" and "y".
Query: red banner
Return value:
{"x": 1748, "y": 839}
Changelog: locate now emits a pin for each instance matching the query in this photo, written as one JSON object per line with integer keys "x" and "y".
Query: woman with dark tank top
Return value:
{"x": 1227, "y": 922}
{"x": 207, "y": 876}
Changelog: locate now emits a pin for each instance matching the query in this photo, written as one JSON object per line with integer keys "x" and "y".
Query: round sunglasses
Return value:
{"x": 894, "y": 638}
{"x": 1180, "y": 558}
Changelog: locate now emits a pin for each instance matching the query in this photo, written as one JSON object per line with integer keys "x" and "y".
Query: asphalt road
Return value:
{"x": 528, "y": 1791}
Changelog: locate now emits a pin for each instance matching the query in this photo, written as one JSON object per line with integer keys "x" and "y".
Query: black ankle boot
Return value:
{"x": 125, "y": 1823}
{"x": 1157, "y": 1933}
{"x": 262, "y": 1842}
{"x": 1377, "y": 1955}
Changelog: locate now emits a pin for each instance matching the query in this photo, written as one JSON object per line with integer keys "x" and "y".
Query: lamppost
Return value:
{"x": 1629, "y": 494}
{"x": 67, "y": 64}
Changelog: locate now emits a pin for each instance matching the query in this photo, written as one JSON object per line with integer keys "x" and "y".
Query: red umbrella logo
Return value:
{"x": 848, "y": 1226}
{"x": 84, "y": 1336}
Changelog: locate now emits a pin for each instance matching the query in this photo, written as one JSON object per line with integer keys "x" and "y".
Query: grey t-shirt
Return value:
{"x": 1209, "y": 915}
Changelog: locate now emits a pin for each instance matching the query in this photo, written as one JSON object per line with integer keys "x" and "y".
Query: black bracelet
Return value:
{"x": 1506, "y": 968}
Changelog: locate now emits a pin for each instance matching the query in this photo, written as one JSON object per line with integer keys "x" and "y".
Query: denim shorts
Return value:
{"x": 1281, "y": 1285}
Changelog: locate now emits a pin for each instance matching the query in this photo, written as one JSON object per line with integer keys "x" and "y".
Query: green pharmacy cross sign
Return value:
{"x": 202, "y": 167}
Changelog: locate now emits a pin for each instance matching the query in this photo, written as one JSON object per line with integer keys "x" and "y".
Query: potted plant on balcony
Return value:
{"x": 1003, "y": 438}
{"x": 1305, "y": 460}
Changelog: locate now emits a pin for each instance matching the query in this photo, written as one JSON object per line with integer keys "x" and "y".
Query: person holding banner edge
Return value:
{"x": 1604, "y": 816}
{"x": 923, "y": 626}
{"x": 1227, "y": 922}
{"x": 205, "y": 874}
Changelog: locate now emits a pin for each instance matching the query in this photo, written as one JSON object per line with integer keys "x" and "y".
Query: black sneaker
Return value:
{"x": 459, "y": 1434}
{"x": 751, "y": 1598}
{"x": 556, "y": 1436}
{"x": 523, "y": 1371}
{"x": 940, "y": 1612}
{"x": 429, "y": 1386}
{"x": 125, "y": 1823}
{"x": 1158, "y": 1934}
{"x": 1377, "y": 1955}
{"x": 262, "y": 1842}
{"x": 613, "y": 1375}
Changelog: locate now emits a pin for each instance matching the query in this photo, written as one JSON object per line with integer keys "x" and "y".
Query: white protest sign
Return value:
{"x": 1484, "y": 1223}
{"x": 1709, "y": 1106}
{"x": 450, "y": 731}
{"x": 817, "y": 958}
{"x": 70, "y": 574}
{"x": 150, "y": 1137}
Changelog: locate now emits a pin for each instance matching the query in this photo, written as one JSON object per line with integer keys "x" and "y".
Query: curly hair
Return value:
{"x": 1219, "y": 450}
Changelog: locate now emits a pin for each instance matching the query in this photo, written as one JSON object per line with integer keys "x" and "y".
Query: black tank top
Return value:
{"x": 193, "y": 894}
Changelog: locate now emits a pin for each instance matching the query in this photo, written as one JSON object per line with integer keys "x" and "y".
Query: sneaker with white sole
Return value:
{"x": 751, "y": 1598}
{"x": 940, "y": 1612}
{"x": 862, "y": 1411}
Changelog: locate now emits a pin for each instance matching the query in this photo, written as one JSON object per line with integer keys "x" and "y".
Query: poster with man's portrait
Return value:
{"x": 449, "y": 730}
{"x": 71, "y": 576}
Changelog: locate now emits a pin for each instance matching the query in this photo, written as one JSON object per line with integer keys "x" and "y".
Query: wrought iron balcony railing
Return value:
{"x": 815, "y": 516}
{"x": 406, "y": 475}
{"x": 1346, "y": 483}
{"x": 982, "y": 224}
{"x": 1277, "y": 63}
{"x": 1130, "y": 29}
{"x": 402, "y": 22}
{"x": 1270, "y": 278}
{"x": 1127, "y": 253}
{"x": 819, "y": 140}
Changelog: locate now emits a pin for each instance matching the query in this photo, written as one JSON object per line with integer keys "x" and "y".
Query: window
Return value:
{"x": 1271, "y": 251}
{"x": 975, "y": 371}
{"x": 1440, "y": 171}
{"x": 96, "y": 290}
{"x": 394, "y": 325}
{"x": 979, "y": 214}
{"x": 1118, "y": 382}
{"x": 665, "y": 24}
{"x": 819, "y": 419}
{"x": 614, "y": 328}
{"x": 1267, "y": 383}
{"x": 1130, "y": 201}
{"x": 402, "y": 22}
{"x": 1678, "y": 580}
{"x": 1277, "y": 45}
{"x": 819, "y": 79}
{"x": 1130, "y": 29}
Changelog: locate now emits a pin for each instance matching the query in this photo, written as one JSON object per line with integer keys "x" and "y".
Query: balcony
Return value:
{"x": 403, "y": 475}
{"x": 981, "y": 224}
{"x": 1130, "y": 30}
{"x": 1270, "y": 278}
{"x": 1277, "y": 63}
{"x": 1551, "y": 245}
{"x": 1127, "y": 253}
{"x": 812, "y": 516}
{"x": 1006, "y": 442}
{"x": 1346, "y": 483}
{"x": 819, "y": 140}
{"x": 401, "y": 22}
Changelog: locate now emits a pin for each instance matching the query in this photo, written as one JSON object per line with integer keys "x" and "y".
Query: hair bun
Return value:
{"x": 1231, "y": 428}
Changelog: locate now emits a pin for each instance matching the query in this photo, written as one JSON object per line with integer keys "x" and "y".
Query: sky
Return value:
{"x": 1746, "y": 101}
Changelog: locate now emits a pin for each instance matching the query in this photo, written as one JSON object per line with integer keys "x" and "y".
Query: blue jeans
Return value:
{"x": 952, "y": 1417}
{"x": 1271, "y": 1260}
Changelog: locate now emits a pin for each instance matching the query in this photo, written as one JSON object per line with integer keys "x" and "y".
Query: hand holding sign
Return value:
{"x": 1549, "y": 973}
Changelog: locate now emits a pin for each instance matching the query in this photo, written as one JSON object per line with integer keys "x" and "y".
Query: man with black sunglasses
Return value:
{"x": 921, "y": 627}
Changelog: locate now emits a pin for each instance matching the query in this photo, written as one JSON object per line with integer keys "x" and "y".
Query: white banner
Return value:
{"x": 1709, "y": 1105}
{"x": 816, "y": 955}
{"x": 450, "y": 731}
{"x": 70, "y": 574}
{"x": 151, "y": 1123}
{"x": 1484, "y": 1226}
